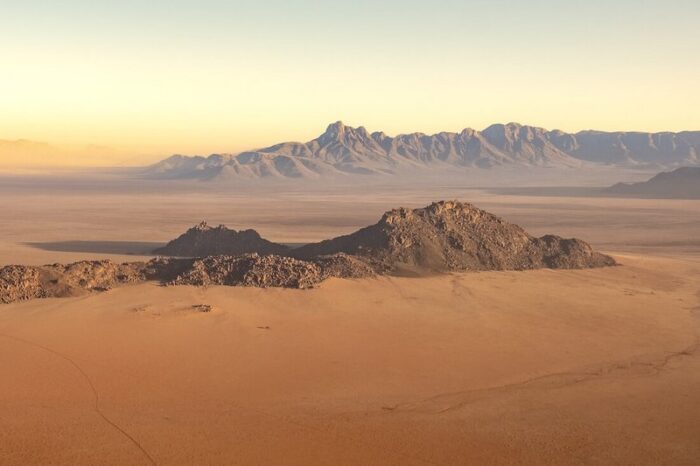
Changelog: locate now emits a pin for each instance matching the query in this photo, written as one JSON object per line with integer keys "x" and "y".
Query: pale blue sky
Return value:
{"x": 214, "y": 75}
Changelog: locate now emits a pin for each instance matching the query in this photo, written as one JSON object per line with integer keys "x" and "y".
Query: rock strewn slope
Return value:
{"x": 19, "y": 283}
{"x": 261, "y": 271}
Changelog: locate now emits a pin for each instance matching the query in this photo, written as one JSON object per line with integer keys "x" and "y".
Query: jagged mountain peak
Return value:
{"x": 339, "y": 132}
{"x": 344, "y": 150}
{"x": 335, "y": 129}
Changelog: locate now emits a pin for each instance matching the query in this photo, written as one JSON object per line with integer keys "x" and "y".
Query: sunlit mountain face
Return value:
{"x": 344, "y": 150}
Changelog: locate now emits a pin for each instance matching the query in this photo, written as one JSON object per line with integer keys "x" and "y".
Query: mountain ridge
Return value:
{"x": 344, "y": 150}
{"x": 681, "y": 183}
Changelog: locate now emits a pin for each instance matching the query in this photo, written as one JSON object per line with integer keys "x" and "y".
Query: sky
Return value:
{"x": 140, "y": 80}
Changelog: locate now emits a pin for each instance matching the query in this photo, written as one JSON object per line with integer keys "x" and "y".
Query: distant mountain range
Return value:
{"x": 682, "y": 183}
{"x": 343, "y": 150}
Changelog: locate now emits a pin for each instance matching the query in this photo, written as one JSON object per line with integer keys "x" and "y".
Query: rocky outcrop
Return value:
{"x": 554, "y": 252}
{"x": 19, "y": 282}
{"x": 260, "y": 271}
{"x": 250, "y": 270}
{"x": 342, "y": 265}
{"x": 442, "y": 237}
{"x": 454, "y": 236}
{"x": 203, "y": 240}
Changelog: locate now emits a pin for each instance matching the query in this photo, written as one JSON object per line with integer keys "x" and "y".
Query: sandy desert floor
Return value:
{"x": 68, "y": 222}
{"x": 540, "y": 367}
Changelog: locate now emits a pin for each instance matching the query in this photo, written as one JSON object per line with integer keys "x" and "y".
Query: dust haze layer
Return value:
{"x": 342, "y": 150}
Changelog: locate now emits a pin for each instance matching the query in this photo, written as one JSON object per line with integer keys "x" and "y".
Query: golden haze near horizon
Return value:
{"x": 127, "y": 84}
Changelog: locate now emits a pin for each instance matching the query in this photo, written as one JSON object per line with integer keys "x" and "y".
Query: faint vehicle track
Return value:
{"x": 445, "y": 402}
{"x": 94, "y": 391}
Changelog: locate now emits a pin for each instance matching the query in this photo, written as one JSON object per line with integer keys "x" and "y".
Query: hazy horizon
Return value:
{"x": 28, "y": 154}
{"x": 142, "y": 81}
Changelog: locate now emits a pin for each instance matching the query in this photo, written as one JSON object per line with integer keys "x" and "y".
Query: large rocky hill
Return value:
{"x": 455, "y": 236}
{"x": 343, "y": 150}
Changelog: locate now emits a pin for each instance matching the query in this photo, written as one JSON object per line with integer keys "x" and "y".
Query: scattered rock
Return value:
{"x": 100, "y": 275}
{"x": 258, "y": 271}
{"x": 250, "y": 270}
{"x": 202, "y": 308}
{"x": 343, "y": 265}
{"x": 19, "y": 283}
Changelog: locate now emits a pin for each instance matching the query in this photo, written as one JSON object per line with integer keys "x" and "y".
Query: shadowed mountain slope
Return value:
{"x": 682, "y": 183}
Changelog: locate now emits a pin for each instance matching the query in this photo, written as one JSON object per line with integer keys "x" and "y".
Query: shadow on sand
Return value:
{"x": 130, "y": 248}
{"x": 136, "y": 248}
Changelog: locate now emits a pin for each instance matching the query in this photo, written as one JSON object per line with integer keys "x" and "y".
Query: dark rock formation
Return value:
{"x": 203, "y": 240}
{"x": 343, "y": 266}
{"x": 445, "y": 236}
{"x": 250, "y": 270}
{"x": 454, "y": 236}
{"x": 19, "y": 283}
{"x": 258, "y": 271}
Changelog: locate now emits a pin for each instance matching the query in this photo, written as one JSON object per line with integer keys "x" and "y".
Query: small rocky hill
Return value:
{"x": 682, "y": 183}
{"x": 454, "y": 236}
{"x": 203, "y": 240}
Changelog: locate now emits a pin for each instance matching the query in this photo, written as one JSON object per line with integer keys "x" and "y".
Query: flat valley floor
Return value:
{"x": 596, "y": 366}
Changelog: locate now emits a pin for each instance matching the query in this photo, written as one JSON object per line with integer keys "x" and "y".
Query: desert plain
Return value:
{"x": 596, "y": 366}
